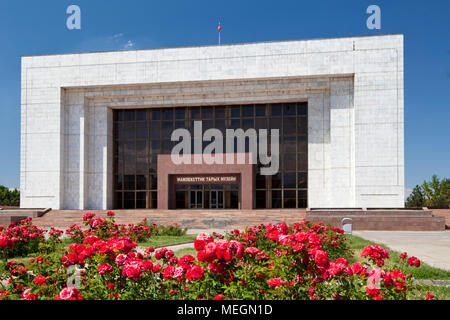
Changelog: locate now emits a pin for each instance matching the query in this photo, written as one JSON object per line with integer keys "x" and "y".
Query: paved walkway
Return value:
{"x": 431, "y": 247}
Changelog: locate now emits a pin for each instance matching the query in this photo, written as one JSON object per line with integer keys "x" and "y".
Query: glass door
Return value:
{"x": 216, "y": 199}
{"x": 196, "y": 199}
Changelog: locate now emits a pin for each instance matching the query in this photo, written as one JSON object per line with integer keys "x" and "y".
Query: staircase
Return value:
{"x": 381, "y": 219}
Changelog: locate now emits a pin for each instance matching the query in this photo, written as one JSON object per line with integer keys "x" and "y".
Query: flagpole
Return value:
{"x": 220, "y": 30}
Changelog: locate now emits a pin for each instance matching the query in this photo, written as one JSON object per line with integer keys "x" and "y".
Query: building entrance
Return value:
{"x": 216, "y": 199}
{"x": 207, "y": 197}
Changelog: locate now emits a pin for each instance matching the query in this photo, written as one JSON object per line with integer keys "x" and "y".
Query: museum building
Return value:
{"x": 98, "y": 130}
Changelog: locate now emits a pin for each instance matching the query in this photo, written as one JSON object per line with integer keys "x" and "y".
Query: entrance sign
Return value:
{"x": 207, "y": 179}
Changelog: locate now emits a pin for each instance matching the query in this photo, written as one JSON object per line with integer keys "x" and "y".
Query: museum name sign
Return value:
{"x": 207, "y": 179}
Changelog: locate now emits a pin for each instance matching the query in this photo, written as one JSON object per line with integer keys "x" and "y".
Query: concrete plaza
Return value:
{"x": 430, "y": 247}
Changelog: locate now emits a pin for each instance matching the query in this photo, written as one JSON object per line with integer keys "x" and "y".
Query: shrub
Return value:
{"x": 9, "y": 198}
{"x": 274, "y": 261}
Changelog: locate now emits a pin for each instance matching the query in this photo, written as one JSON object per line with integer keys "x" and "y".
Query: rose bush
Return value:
{"x": 274, "y": 261}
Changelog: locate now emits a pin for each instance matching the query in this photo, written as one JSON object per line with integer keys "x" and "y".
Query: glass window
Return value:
{"x": 207, "y": 112}
{"x": 260, "y": 181}
{"x": 141, "y": 182}
{"x": 247, "y": 111}
{"x": 275, "y": 110}
{"x": 129, "y": 182}
{"x": 167, "y": 146}
{"x": 289, "y": 200}
{"x": 220, "y": 124}
{"x": 138, "y": 141}
{"x": 129, "y": 200}
{"x": 261, "y": 199}
{"x": 235, "y": 112}
{"x": 167, "y": 114}
{"x": 141, "y": 130}
{"x": 153, "y": 182}
{"x": 289, "y": 109}
{"x": 302, "y": 125}
{"x": 290, "y": 163}
{"x": 302, "y": 144}
{"x": 180, "y": 125}
{"x": 220, "y": 112}
{"x": 261, "y": 123}
{"x": 302, "y": 108}
{"x": 195, "y": 113}
{"x": 289, "y": 144}
{"x": 289, "y": 180}
{"x": 118, "y": 200}
{"x": 289, "y": 126}
{"x": 156, "y": 114}
{"x": 180, "y": 113}
{"x": 155, "y": 129}
{"x": 302, "y": 162}
{"x": 167, "y": 129}
{"x": 141, "y": 115}
{"x": 302, "y": 180}
{"x": 276, "y": 199}
{"x": 276, "y": 181}
{"x": 235, "y": 124}
{"x": 275, "y": 123}
{"x": 129, "y": 130}
{"x": 154, "y": 200}
{"x": 118, "y": 181}
{"x": 248, "y": 124}
{"x": 129, "y": 115}
{"x": 260, "y": 110}
{"x": 141, "y": 200}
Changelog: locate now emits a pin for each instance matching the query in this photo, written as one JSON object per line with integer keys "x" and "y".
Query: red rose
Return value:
{"x": 321, "y": 258}
{"x": 27, "y": 295}
{"x": 275, "y": 282}
{"x": 202, "y": 240}
{"x": 88, "y": 216}
{"x": 429, "y": 296}
{"x": 105, "y": 268}
{"x": 413, "y": 261}
{"x": 40, "y": 280}
{"x": 372, "y": 290}
{"x": 70, "y": 293}
{"x": 195, "y": 273}
{"x": 156, "y": 268}
{"x": 219, "y": 297}
{"x": 168, "y": 272}
{"x": 252, "y": 250}
{"x": 132, "y": 271}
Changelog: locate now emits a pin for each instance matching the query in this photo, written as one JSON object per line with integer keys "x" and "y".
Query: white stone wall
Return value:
{"x": 354, "y": 87}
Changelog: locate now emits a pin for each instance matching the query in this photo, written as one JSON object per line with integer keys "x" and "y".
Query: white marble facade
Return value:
{"x": 354, "y": 87}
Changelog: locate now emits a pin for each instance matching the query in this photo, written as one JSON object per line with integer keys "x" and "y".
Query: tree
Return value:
{"x": 9, "y": 198}
{"x": 432, "y": 193}
{"x": 416, "y": 198}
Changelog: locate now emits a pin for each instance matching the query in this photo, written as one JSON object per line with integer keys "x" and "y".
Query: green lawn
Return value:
{"x": 182, "y": 252}
{"x": 164, "y": 241}
{"x": 424, "y": 272}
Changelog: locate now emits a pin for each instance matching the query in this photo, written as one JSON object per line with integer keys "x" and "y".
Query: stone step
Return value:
{"x": 400, "y": 220}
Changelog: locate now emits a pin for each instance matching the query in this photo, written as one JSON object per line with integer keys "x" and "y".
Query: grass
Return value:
{"x": 164, "y": 241}
{"x": 424, "y": 272}
{"x": 182, "y": 252}
{"x": 439, "y": 292}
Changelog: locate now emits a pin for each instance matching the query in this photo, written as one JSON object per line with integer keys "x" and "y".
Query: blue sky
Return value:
{"x": 39, "y": 27}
